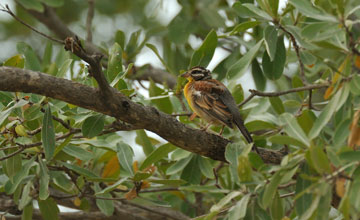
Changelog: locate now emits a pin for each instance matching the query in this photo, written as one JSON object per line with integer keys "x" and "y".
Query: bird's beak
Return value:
{"x": 185, "y": 75}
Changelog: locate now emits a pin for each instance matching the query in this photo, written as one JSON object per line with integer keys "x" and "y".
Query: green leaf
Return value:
{"x": 325, "y": 116}
{"x": 78, "y": 152}
{"x": 125, "y": 156}
{"x": 143, "y": 140}
{"x": 112, "y": 187}
{"x": 48, "y": 209}
{"x": 15, "y": 61}
{"x": 203, "y": 55}
{"x": 139, "y": 176}
{"x": 48, "y": 134}
{"x": 238, "y": 211}
{"x": 312, "y": 208}
{"x": 304, "y": 201}
{"x": 283, "y": 139}
{"x": 342, "y": 132}
{"x": 239, "y": 68}
{"x": 206, "y": 168}
{"x": 47, "y": 55}
{"x": 306, "y": 8}
{"x": 31, "y": 60}
{"x": 258, "y": 75}
{"x": 191, "y": 172}
{"x": 277, "y": 104}
{"x": 163, "y": 103}
{"x": 238, "y": 93}
{"x": 271, "y": 188}
{"x": 168, "y": 182}
{"x": 277, "y": 207}
{"x": 44, "y": 181}
{"x": 274, "y": 69}
{"x": 32, "y": 4}
{"x": 105, "y": 206}
{"x": 19, "y": 176}
{"x": 225, "y": 200}
{"x": 271, "y": 38}
{"x": 63, "y": 144}
{"x": 178, "y": 166}
{"x": 13, "y": 164}
{"x": 293, "y": 129}
{"x": 355, "y": 85}
{"x": 251, "y": 11}
{"x": 320, "y": 160}
{"x": 324, "y": 206}
{"x": 155, "y": 50}
{"x": 25, "y": 196}
{"x": 53, "y": 3}
{"x": 27, "y": 212}
{"x": 64, "y": 68}
{"x": 231, "y": 155}
{"x": 157, "y": 155}
{"x": 93, "y": 126}
{"x": 79, "y": 170}
{"x": 115, "y": 62}
{"x": 244, "y": 26}
{"x": 120, "y": 38}
{"x": 350, "y": 156}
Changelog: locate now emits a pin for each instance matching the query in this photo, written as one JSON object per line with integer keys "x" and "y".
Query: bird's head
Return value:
{"x": 197, "y": 73}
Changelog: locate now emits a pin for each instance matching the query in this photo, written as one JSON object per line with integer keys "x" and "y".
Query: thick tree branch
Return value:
{"x": 149, "y": 118}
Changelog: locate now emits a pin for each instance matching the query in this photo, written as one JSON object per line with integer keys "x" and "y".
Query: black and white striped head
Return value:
{"x": 197, "y": 73}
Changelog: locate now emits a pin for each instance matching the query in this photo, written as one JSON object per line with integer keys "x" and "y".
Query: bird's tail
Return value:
{"x": 240, "y": 124}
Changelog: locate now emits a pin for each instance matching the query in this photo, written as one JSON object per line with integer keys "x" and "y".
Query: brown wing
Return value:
{"x": 208, "y": 98}
{"x": 215, "y": 94}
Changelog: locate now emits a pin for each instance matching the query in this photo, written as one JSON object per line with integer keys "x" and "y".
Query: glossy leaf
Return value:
{"x": 206, "y": 167}
{"x": 44, "y": 180}
{"x": 143, "y": 140}
{"x": 309, "y": 10}
{"x": 48, "y": 209}
{"x": 320, "y": 160}
{"x": 32, "y": 4}
{"x": 271, "y": 38}
{"x": 258, "y": 75}
{"x": 178, "y": 166}
{"x": 163, "y": 103}
{"x": 93, "y": 126}
{"x": 239, "y": 210}
{"x": 78, "y": 152}
{"x": 293, "y": 129}
{"x": 157, "y": 155}
{"x": 277, "y": 104}
{"x": 239, "y": 68}
{"x": 80, "y": 170}
{"x": 125, "y": 155}
{"x": 105, "y": 206}
{"x": 15, "y": 61}
{"x": 48, "y": 134}
{"x": 191, "y": 172}
{"x": 203, "y": 55}
{"x": 115, "y": 62}
{"x": 250, "y": 10}
{"x": 324, "y": 117}
{"x": 244, "y": 26}
{"x": 274, "y": 69}
{"x": 271, "y": 189}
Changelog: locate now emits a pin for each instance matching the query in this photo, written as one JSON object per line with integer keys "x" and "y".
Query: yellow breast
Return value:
{"x": 188, "y": 93}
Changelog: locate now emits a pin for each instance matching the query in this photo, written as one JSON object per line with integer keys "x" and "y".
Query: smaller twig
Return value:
{"x": 287, "y": 195}
{"x": 21, "y": 149}
{"x": 33, "y": 132}
{"x": 298, "y": 89}
{"x": 8, "y": 10}
{"x": 297, "y": 51}
{"x": 246, "y": 100}
{"x": 291, "y": 183}
{"x": 90, "y": 16}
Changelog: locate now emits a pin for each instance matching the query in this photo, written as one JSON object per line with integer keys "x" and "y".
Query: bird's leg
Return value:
{"x": 193, "y": 116}
{"x": 206, "y": 127}
{"x": 222, "y": 130}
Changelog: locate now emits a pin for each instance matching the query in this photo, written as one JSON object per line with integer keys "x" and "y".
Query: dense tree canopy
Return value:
{"x": 93, "y": 117}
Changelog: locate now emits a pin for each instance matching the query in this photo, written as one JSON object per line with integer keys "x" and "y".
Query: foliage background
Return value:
{"x": 307, "y": 52}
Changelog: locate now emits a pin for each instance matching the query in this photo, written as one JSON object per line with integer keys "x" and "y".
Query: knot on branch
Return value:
{"x": 73, "y": 44}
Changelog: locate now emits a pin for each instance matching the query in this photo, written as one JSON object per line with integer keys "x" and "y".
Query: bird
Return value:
{"x": 212, "y": 101}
